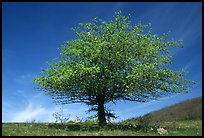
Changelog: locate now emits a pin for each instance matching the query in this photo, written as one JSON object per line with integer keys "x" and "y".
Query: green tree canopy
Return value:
{"x": 112, "y": 61}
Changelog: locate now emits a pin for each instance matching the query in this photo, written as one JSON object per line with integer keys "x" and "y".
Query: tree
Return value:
{"x": 112, "y": 61}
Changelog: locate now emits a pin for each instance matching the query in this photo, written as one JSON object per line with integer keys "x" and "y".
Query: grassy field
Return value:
{"x": 174, "y": 128}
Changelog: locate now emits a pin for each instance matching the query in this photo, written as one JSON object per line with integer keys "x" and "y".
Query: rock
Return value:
{"x": 162, "y": 131}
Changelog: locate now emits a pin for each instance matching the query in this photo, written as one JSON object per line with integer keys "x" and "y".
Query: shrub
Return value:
{"x": 67, "y": 126}
{"x": 89, "y": 126}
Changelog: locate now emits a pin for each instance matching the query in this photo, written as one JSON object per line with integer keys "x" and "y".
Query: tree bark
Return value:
{"x": 101, "y": 112}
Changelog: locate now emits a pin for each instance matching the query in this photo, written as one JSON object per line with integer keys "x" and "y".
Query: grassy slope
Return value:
{"x": 186, "y": 110}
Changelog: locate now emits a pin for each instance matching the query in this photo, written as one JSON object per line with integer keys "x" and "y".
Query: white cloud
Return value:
{"x": 188, "y": 65}
{"x": 25, "y": 79}
{"x": 34, "y": 108}
{"x": 36, "y": 105}
{"x": 37, "y": 108}
{"x": 139, "y": 109}
{"x": 6, "y": 104}
{"x": 191, "y": 63}
{"x": 28, "y": 114}
{"x": 22, "y": 93}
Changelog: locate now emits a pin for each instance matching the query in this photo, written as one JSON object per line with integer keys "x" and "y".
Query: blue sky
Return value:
{"x": 33, "y": 32}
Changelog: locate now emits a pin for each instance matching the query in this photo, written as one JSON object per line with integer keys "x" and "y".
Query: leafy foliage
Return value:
{"x": 112, "y": 61}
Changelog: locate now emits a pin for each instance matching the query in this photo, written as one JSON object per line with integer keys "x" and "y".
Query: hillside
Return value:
{"x": 186, "y": 110}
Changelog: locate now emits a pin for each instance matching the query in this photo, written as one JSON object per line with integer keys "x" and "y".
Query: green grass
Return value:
{"x": 174, "y": 128}
{"x": 183, "y": 128}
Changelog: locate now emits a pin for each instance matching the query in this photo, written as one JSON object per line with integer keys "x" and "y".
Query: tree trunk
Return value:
{"x": 101, "y": 112}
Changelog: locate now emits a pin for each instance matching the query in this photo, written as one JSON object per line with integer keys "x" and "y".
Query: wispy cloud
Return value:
{"x": 191, "y": 27}
{"x": 144, "y": 108}
{"x": 6, "y": 104}
{"x": 36, "y": 105}
{"x": 28, "y": 114}
{"x": 35, "y": 108}
{"x": 191, "y": 63}
{"x": 22, "y": 93}
{"x": 188, "y": 65}
{"x": 25, "y": 79}
{"x": 43, "y": 114}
